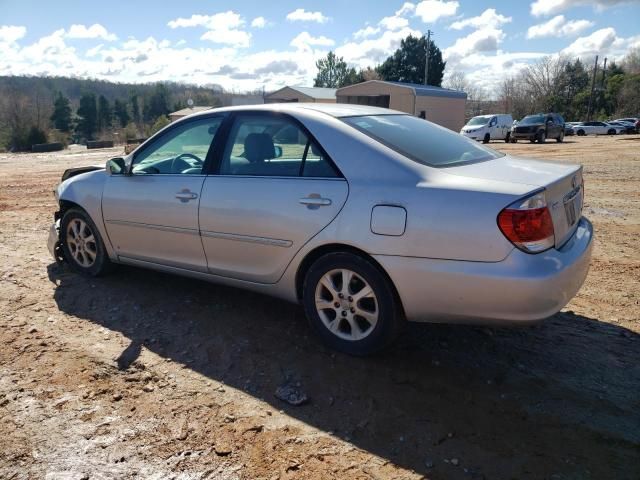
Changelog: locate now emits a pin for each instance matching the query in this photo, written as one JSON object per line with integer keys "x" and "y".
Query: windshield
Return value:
{"x": 421, "y": 141}
{"x": 478, "y": 121}
{"x": 530, "y": 119}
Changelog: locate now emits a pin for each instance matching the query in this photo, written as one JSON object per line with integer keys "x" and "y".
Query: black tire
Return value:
{"x": 486, "y": 138}
{"x": 101, "y": 263}
{"x": 389, "y": 314}
{"x": 507, "y": 139}
{"x": 611, "y": 131}
{"x": 580, "y": 133}
{"x": 514, "y": 140}
{"x": 542, "y": 137}
{"x": 560, "y": 138}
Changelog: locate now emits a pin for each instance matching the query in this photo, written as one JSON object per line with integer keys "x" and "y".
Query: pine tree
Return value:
{"x": 121, "y": 113}
{"x": 408, "y": 62}
{"x": 88, "y": 113}
{"x": 105, "y": 114}
{"x": 61, "y": 116}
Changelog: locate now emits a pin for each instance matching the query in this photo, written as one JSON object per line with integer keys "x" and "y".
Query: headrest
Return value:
{"x": 259, "y": 147}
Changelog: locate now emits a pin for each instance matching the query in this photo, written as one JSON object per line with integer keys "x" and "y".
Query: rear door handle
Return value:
{"x": 186, "y": 195}
{"x": 315, "y": 201}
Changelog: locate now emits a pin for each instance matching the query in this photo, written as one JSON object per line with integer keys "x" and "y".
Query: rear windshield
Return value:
{"x": 422, "y": 141}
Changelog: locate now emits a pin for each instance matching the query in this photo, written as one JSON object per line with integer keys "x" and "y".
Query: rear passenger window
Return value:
{"x": 274, "y": 146}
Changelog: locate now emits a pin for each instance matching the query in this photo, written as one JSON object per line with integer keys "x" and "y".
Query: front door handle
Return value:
{"x": 315, "y": 200}
{"x": 186, "y": 195}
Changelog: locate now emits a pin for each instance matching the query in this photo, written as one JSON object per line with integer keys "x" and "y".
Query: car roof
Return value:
{"x": 337, "y": 110}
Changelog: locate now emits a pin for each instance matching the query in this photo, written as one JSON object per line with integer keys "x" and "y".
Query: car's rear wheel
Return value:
{"x": 542, "y": 137}
{"x": 560, "y": 138}
{"x": 580, "y": 133}
{"x": 507, "y": 139}
{"x": 486, "y": 138}
{"x": 82, "y": 244}
{"x": 611, "y": 131}
{"x": 351, "y": 304}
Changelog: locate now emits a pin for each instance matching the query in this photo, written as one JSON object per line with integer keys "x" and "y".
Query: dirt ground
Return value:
{"x": 146, "y": 375}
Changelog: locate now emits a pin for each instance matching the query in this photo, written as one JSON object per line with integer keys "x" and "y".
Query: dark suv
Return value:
{"x": 538, "y": 128}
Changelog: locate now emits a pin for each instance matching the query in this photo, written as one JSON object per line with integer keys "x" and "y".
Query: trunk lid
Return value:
{"x": 562, "y": 184}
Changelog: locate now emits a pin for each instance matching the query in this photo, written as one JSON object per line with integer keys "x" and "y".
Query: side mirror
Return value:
{"x": 116, "y": 166}
{"x": 278, "y": 151}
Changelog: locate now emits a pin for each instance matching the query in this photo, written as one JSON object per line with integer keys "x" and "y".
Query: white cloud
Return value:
{"x": 11, "y": 33}
{"x": 551, "y": 7}
{"x": 431, "y": 11}
{"x": 488, "y": 18}
{"x": 223, "y": 28}
{"x": 406, "y": 8}
{"x": 601, "y": 41}
{"x": 373, "y": 51}
{"x": 301, "y": 15}
{"x": 483, "y": 40}
{"x": 259, "y": 22}
{"x": 558, "y": 27}
{"x": 94, "y": 31}
{"x": 394, "y": 23}
{"x": 365, "y": 32}
{"x": 304, "y": 41}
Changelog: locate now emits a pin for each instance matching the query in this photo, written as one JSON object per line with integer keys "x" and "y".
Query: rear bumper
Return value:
{"x": 522, "y": 288}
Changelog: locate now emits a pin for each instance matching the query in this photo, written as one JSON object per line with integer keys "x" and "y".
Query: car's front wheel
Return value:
{"x": 560, "y": 138}
{"x": 82, "y": 244}
{"x": 351, "y": 304}
{"x": 542, "y": 137}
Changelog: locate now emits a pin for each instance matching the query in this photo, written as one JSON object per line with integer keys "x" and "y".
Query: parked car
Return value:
{"x": 597, "y": 128}
{"x": 568, "y": 130}
{"x": 366, "y": 216}
{"x": 632, "y": 120}
{"x": 488, "y": 127}
{"x": 539, "y": 127}
{"x": 625, "y": 126}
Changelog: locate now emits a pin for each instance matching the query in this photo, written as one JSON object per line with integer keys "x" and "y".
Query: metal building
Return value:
{"x": 302, "y": 94}
{"x": 438, "y": 105}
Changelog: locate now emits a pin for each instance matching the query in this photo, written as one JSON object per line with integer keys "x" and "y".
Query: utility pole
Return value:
{"x": 426, "y": 63}
{"x": 593, "y": 86}
{"x": 604, "y": 73}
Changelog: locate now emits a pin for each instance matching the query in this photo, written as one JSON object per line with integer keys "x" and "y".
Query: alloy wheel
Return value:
{"x": 81, "y": 243}
{"x": 346, "y": 304}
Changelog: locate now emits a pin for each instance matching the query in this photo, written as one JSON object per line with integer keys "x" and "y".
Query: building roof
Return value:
{"x": 420, "y": 90}
{"x": 188, "y": 111}
{"x": 319, "y": 93}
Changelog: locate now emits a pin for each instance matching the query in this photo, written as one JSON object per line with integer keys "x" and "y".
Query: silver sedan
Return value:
{"x": 367, "y": 217}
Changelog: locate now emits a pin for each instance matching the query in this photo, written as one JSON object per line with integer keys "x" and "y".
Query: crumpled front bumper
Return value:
{"x": 54, "y": 237}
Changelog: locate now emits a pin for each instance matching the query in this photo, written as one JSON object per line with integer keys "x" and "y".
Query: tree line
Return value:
{"x": 406, "y": 64}
{"x": 39, "y": 109}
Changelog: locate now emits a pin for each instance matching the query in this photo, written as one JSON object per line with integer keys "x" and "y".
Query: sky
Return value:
{"x": 254, "y": 44}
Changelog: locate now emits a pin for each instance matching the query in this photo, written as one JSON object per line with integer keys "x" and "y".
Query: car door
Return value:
{"x": 151, "y": 213}
{"x": 494, "y": 131}
{"x": 274, "y": 189}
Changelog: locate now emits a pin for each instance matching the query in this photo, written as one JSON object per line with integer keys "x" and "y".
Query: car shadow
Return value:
{"x": 558, "y": 398}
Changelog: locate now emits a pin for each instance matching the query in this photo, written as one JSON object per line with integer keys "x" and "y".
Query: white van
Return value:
{"x": 489, "y": 127}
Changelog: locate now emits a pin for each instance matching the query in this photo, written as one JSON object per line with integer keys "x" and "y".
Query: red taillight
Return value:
{"x": 528, "y": 224}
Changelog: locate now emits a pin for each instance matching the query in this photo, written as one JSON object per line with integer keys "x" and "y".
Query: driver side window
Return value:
{"x": 179, "y": 151}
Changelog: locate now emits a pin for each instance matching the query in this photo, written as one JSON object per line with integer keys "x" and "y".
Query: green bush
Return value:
{"x": 161, "y": 122}
{"x": 35, "y": 137}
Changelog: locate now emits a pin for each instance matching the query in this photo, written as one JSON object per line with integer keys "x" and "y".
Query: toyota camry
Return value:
{"x": 367, "y": 217}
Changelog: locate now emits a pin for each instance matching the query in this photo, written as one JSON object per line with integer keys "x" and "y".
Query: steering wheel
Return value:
{"x": 180, "y": 161}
